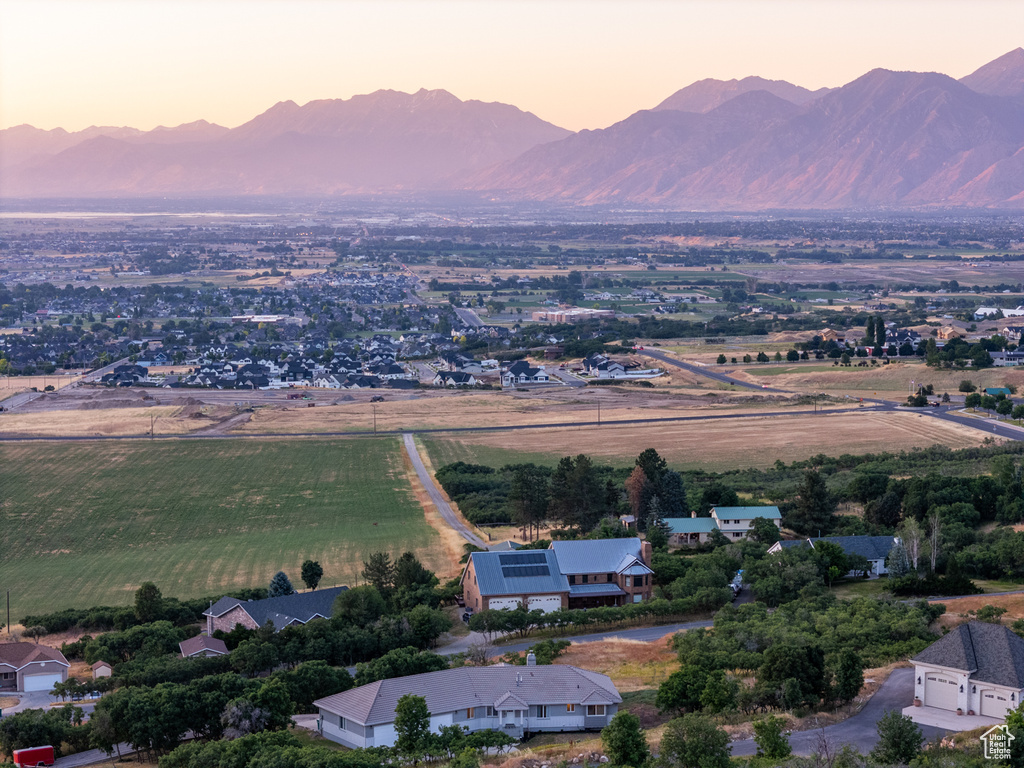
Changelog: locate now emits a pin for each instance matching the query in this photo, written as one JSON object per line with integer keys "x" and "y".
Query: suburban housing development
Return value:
{"x": 514, "y": 700}
{"x": 570, "y": 574}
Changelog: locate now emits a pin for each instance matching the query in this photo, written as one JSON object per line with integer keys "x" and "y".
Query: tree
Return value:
{"x": 814, "y": 513}
{"x": 412, "y": 726}
{"x": 770, "y": 739}
{"x": 897, "y": 561}
{"x": 721, "y": 360}
{"x": 973, "y": 400}
{"x": 848, "y": 676}
{"x": 280, "y": 585}
{"x": 795, "y": 673}
{"x": 359, "y": 606}
{"x": 885, "y": 511}
{"x": 624, "y": 741}
{"x": 682, "y": 689}
{"x": 653, "y": 465}
{"x": 528, "y": 496}
{"x": 149, "y": 603}
{"x": 577, "y": 496}
{"x": 934, "y": 537}
{"x": 966, "y": 385}
{"x": 694, "y": 741}
{"x": 379, "y": 571}
{"x": 673, "y": 495}
{"x": 640, "y": 492}
{"x": 312, "y": 572}
{"x": 831, "y": 560}
{"x": 792, "y": 356}
{"x": 911, "y": 535}
{"x": 1004, "y": 407}
{"x": 763, "y": 530}
{"x": 899, "y": 739}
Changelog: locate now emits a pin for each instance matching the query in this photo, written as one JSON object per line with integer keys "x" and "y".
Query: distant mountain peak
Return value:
{"x": 705, "y": 95}
{"x": 1000, "y": 77}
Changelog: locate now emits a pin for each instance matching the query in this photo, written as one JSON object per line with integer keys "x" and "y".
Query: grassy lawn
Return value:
{"x": 85, "y": 523}
{"x": 860, "y": 588}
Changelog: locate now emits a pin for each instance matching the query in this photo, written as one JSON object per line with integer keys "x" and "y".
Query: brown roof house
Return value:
{"x": 30, "y": 667}
{"x": 202, "y": 645}
{"x": 976, "y": 669}
{"x": 101, "y": 669}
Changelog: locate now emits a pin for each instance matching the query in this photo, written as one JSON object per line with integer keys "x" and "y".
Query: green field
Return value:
{"x": 85, "y": 523}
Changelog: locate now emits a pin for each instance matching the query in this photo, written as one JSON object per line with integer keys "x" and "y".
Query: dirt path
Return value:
{"x": 225, "y": 426}
{"x": 435, "y": 495}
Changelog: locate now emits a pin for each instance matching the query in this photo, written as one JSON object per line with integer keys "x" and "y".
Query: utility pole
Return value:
{"x": 8, "y": 613}
{"x": 599, "y": 413}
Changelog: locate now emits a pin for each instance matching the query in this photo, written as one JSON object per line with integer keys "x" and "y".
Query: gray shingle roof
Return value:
{"x": 600, "y": 556}
{"x": 301, "y": 607}
{"x": 991, "y": 652}
{"x": 530, "y": 571}
{"x": 464, "y": 687}
{"x": 871, "y": 547}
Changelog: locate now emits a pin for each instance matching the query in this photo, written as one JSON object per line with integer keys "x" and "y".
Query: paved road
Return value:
{"x": 435, "y": 496}
{"x": 702, "y": 371}
{"x": 567, "y": 378}
{"x": 469, "y": 317}
{"x": 860, "y": 730}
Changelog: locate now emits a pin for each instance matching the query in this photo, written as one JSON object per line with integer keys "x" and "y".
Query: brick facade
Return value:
{"x": 226, "y": 622}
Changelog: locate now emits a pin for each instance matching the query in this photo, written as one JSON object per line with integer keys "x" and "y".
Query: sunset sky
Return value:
{"x": 577, "y": 63}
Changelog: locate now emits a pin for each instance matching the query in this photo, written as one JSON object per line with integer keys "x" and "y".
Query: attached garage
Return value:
{"x": 994, "y": 703}
{"x": 42, "y": 682}
{"x": 546, "y": 603}
{"x": 940, "y": 691}
{"x": 504, "y": 603}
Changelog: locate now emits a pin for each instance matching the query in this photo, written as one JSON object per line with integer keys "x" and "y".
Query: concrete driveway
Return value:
{"x": 34, "y": 700}
{"x": 861, "y": 730}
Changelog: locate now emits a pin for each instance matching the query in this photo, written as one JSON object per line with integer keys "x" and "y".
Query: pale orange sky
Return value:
{"x": 577, "y": 63}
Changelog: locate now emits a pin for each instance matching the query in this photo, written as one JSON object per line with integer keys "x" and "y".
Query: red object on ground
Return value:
{"x": 33, "y": 756}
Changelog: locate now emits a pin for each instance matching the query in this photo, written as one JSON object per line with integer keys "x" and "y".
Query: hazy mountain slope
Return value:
{"x": 886, "y": 139}
{"x": 384, "y": 140}
{"x": 705, "y": 95}
{"x": 1002, "y": 77}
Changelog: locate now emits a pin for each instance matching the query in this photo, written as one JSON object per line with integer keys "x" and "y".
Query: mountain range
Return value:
{"x": 885, "y": 140}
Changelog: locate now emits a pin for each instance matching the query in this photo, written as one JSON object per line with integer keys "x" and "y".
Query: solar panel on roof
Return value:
{"x": 522, "y": 558}
{"x": 518, "y": 571}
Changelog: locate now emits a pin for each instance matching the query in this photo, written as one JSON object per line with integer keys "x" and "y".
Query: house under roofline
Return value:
{"x": 297, "y": 608}
{"x": 510, "y": 699}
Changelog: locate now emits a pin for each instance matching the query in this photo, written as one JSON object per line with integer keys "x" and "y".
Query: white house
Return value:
{"x": 511, "y": 699}
{"x": 976, "y": 669}
{"x": 735, "y": 522}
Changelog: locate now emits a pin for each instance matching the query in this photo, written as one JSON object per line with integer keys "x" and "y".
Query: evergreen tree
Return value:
{"x": 897, "y": 562}
{"x": 814, "y": 513}
{"x": 412, "y": 726}
{"x": 528, "y": 496}
{"x": 577, "y": 499}
{"x": 149, "y": 603}
{"x": 280, "y": 585}
{"x": 849, "y": 676}
{"x": 380, "y": 572}
{"x": 673, "y": 495}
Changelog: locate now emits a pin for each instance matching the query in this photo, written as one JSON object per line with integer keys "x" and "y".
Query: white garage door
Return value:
{"x": 41, "y": 682}
{"x": 546, "y": 603}
{"x": 994, "y": 703}
{"x": 504, "y": 603}
{"x": 940, "y": 692}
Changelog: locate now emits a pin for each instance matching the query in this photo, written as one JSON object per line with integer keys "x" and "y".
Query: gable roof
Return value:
{"x": 747, "y": 513}
{"x": 463, "y": 687}
{"x": 690, "y": 524}
{"x": 301, "y": 607}
{"x": 18, "y": 655}
{"x": 992, "y": 653}
{"x": 600, "y": 556}
{"x": 517, "y": 573}
{"x": 202, "y": 644}
{"x": 871, "y": 547}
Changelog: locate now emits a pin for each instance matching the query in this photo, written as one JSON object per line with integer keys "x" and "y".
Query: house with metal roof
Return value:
{"x": 507, "y": 580}
{"x": 690, "y": 530}
{"x": 297, "y": 608}
{"x": 978, "y": 668}
{"x": 569, "y": 574}
{"x": 735, "y": 522}
{"x": 605, "y": 571}
{"x": 511, "y": 699}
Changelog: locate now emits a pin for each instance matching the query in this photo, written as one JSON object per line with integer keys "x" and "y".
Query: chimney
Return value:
{"x": 531, "y": 659}
{"x": 646, "y": 552}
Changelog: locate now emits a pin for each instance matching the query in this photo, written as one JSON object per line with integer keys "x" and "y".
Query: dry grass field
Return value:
{"x": 958, "y": 611}
{"x": 713, "y": 444}
{"x": 632, "y": 665}
{"x": 106, "y": 422}
{"x": 10, "y": 385}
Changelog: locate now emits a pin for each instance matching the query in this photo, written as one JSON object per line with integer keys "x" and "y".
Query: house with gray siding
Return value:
{"x": 297, "y": 608}
{"x": 510, "y": 699}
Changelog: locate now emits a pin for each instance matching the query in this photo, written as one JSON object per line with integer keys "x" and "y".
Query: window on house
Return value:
{"x": 736, "y": 534}
{"x": 595, "y": 710}
{"x": 343, "y": 723}
{"x": 470, "y": 713}
{"x": 611, "y": 577}
{"x": 629, "y": 580}
{"x": 542, "y": 710}
{"x": 491, "y": 712}
{"x": 572, "y": 579}
{"x": 570, "y": 707}
{"x": 586, "y": 578}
